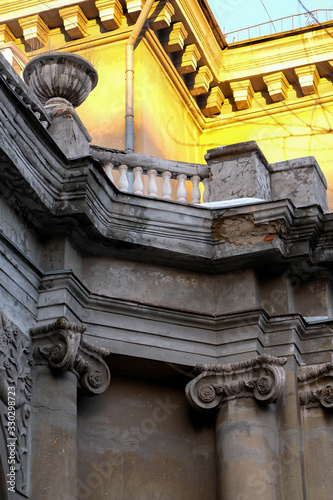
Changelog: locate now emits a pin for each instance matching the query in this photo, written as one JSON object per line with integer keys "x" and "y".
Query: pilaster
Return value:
{"x": 315, "y": 385}
{"x": 64, "y": 362}
{"x": 15, "y": 406}
{"x": 238, "y": 171}
{"x": 247, "y": 437}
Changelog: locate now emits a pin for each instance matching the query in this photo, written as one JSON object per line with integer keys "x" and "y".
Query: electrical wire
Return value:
{"x": 307, "y": 10}
{"x": 262, "y": 3}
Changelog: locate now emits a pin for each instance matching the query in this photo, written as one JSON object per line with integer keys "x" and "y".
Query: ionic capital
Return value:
{"x": 261, "y": 378}
{"x": 60, "y": 344}
{"x": 315, "y": 384}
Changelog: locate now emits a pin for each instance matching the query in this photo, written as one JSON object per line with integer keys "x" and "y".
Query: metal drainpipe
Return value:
{"x": 129, "y": 118}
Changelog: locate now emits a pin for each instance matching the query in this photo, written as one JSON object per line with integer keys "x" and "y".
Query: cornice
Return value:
{"x": 130, "y": 327}
{"x": 233, "y": 119}
{"x": 81, "y": 190}
{"x": 203, "y": 34}
{"x": 52, "y": 187}
{"x": 284, "y": 53}
{"x": 18, "y": 8}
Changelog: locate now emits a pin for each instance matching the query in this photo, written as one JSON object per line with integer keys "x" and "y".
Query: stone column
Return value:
{"x": 247, "y": 441}
{"x": 316, "y": 398}
{"x": 64, "y": 361}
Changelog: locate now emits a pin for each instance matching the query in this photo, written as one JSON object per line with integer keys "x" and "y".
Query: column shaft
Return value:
{"x": 247, "y": 451}
{"x": 54, "y": 461}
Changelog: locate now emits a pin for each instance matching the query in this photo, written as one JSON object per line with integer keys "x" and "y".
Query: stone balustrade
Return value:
{"x": 148, "y": 176}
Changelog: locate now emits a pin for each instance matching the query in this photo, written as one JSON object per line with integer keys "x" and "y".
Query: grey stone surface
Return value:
{"x": 238, "y": 171}
{"x": 67, "y": 129}
{"x": 164, "y": 287}
{"x": 300, "y": 180}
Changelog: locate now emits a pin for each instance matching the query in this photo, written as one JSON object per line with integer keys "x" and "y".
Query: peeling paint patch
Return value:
{"x": 241, "y": 230}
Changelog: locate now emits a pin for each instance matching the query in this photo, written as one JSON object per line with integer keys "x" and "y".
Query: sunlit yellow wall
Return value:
{"x": 285, "y": 136}
{"x": 103, "y": 113}
{"x": 166, "y": 129}
{"x": 163, "y": 127}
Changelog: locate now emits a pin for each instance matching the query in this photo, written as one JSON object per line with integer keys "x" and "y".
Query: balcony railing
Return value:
{"x": 154, "y": 177}
{"x": 290, "y": 23}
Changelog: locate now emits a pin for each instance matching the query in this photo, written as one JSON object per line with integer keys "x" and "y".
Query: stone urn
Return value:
{"x": 63, "y": 75}
{"x": 62, "y": 81}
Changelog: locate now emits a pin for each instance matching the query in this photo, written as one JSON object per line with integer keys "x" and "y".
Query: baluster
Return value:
{"x": 108, "y": 170}
{"x": 205, "y": 197}
{"x": 166, "y": 188}
{"x": 181, "y": 191}
{"x": 137, "y": 184}
{"x": 152, "y": 186}
{"x": 195, "y": 194}
{"x": 123, "y": 182}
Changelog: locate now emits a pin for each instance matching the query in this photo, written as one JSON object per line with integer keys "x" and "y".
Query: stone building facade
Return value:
{"x": 154, "y": 344}
{"x": 198, "y": 88}
{"x": 212, "y": 320}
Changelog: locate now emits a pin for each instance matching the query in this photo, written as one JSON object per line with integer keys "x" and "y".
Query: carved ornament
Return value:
{"x": 316, "y": 386}
{"x": 15, "y": 396}
{"x": 61, "y": 345}
{"x": 262, "y": 378}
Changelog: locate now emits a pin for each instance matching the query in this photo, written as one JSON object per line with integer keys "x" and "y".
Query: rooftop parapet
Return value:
{"x": 242, "y": 171}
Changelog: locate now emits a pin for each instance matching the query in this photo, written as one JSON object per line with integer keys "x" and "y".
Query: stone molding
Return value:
{"x": 110, "y": 13}
{"x": 60, "y": 344}
{"x": 243, "y": 93}
{"x": 187, "y": 60}
{"x": 261, "y": 378}
{"x": 15, "y": 390}
{"x": 6, "y": 35}
{"x": 316, "y": 386}
{"x": 308, "y": 77}
{"x": 161, "y": 14}
{"x": 174, "y": 38}
{"x": 35, "y": 31}
{"x": 211, "y": 103}
{"x": 277, "y": 86}
{"x": 75, "y": 22}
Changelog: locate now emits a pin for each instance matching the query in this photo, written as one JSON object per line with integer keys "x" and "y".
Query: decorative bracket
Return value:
{"x": 62, "y": 346}
{"x": 316, "y": 386}
{"x": 262, "y": 378}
